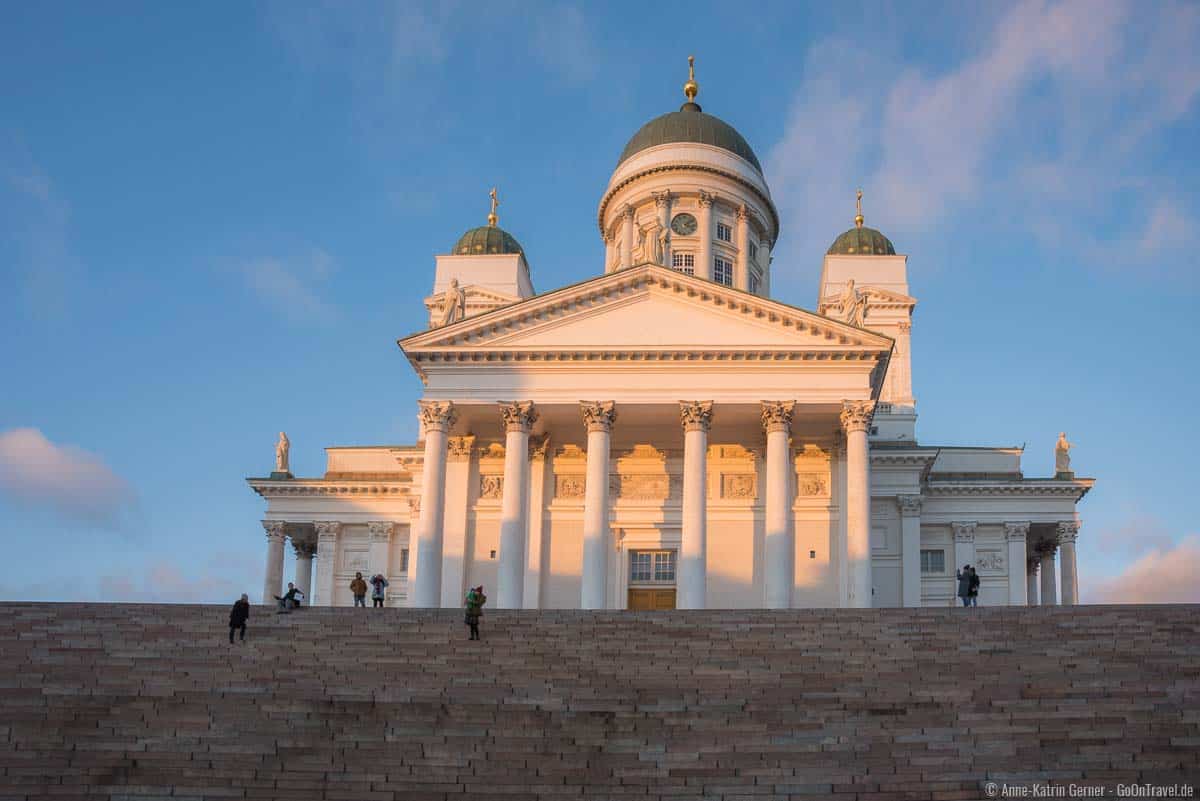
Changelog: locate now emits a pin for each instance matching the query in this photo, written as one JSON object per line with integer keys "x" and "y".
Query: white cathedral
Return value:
{"x": 666, "y": 435}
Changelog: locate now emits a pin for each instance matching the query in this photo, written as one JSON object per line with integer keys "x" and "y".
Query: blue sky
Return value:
{"x": 216, "y": 220}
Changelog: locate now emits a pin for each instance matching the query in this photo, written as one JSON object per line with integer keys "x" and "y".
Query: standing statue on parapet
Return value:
{"x": 281, "y": 453}
{"x": 454, "y": 304}
{"x": 1062, "y": 454}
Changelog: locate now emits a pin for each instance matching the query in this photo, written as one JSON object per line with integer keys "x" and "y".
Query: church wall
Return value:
{"x": 991, "y": 562}
{"x": 397, "y": 573}
{"x": 886, "y": 569}
{"x": 483, "y": 540}
{"x": 354, "y": 554}
{"x": 816, "y": 566}
{"x": 938, "y": 589}
{"x": 735, "y": 546}
{"x": 564, "y": 582}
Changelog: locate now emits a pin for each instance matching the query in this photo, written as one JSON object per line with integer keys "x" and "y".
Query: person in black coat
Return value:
{"x": 964, "y": 584}
{"x": 237, "y": 617}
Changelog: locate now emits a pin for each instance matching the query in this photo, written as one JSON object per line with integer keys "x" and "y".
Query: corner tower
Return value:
{"x": 865, "y": 283}
{"x": 689, "y": 193}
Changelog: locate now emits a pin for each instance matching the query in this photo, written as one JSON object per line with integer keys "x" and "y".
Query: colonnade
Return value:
{"x": 599, "y": 417}
{"x": 1044, "y": 591}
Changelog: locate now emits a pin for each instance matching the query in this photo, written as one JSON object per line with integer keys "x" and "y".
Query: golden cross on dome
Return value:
{"x": 492, "y": 217}
{"x": 858, "y": 217}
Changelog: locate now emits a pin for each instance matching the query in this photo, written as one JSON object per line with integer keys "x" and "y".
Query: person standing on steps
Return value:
{"x": 378, "y": 585}
{"x": 974, "y": 587}
{"x": 964, "y": 584}
{"x": 237, "y": 617}
{"x": 359, "y": 588}
{"x": 475, "y": 601}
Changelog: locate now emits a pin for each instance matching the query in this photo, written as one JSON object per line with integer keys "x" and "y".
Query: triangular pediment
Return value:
{"x": 648, "y": 309}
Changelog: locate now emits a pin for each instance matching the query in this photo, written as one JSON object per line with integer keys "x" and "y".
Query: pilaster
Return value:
{"x": 1015, "y": 534}
{"x": 910, "y": 548}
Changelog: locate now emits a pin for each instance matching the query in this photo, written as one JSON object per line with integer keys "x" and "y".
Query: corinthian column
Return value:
{"x": 1015, "y": 534}
{"x": 1031, "y": 581}
{"x": 779, "y": 538}
{"x": 704, "y": 266}
{"x": 626, "y": 237}
{"x": 1068, "y": 530}
{"x": 436, "y": 417}
{"x": 518, "y": 421}
{"x": 856, "y": 420}
{"x": 273, "y": 580}
{"x": 599, "y": 418}
{"x": 741, "y": 277}
{"x": 304, "y": 556}
{"x": 693, "y": 551}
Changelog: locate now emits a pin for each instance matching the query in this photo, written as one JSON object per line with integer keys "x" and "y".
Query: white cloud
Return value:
{"x": 1166, "y": 574}
{"x": 293, "y": 288}
{"x": 71, "y": 481}
{"x": 163, "y": 581}
{"x": 1042, "y": 126}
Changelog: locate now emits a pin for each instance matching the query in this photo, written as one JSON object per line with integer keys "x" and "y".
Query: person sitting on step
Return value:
{"x": 288, "y": 600}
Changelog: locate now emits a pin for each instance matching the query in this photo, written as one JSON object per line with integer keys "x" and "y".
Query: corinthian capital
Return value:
{"x": 1068, "y": 530}
{"x": 696, "y": 415}
{"x": 598, "y": 415}
{"x": 380, "y": 531}
{"x": 856, "y": 415}
{"x": 460, "y": 447}
{"x": 661, "y": 199}
{"x": 743, "y": 213}
{"x": 518, "y": 416}
{"x": 274, "y": 529}
{"x": 910, "y": 505}
{"x": 437, "y": 415}
{"x": 627, "y": 211}
{"x": 964, "y": 532}
{"x": 706, "y": 199}
{"x": 777, "y": 415}
{"x": 1016, "y": 531}
{"x": 304, "y": 550}
{"x": 327, "y": 530}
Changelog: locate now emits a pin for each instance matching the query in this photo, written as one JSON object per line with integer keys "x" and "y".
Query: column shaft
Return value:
{"x": 856, "y": 419}
{"x": 536, "y": 547}
{"x": 1049, "y": 596}
{"x": 1031, "y": 581}
{"x": 273, "y": 579}
{"x": 779, "y": 547}
{"x": 910, "y": 549}
{"x": 510, "y": 577}
{"x": 662, "y": 201}
{"x": 437, "y": 417}
{"x": 704, "y": 260}
{"x": 304, "y": 565}
{"x": 455, "y": 559}
{"x": 693, "y": 551}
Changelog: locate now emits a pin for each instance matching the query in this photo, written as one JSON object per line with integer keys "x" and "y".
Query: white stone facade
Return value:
{"x": 656, "y": 437}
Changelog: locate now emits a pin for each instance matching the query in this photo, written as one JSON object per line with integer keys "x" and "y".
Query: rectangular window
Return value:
{"x": 724, "y": 232}
{"x": 755, "y": 282}
{"x": 652, "y": 567}
{"x": 684, "y": 262}
{"x": 723, "y": 271}
{"x": 933, "y": 561}
{"x": 753, "y": 252}
{"x": 403, "y": 560}
{"x": 664, "y": 566}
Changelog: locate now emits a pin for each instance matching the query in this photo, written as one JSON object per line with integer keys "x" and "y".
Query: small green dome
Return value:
{"x": 861, "y": 242}
{"x": 486, "y": 239}
{"x": 690, "y": 124}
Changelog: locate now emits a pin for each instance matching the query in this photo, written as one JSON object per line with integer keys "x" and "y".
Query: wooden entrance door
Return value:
{"x": 651, "y": 600}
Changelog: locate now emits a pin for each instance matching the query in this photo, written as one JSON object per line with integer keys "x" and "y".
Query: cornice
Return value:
{"x": 1076, "y": 489}
{"x": 685, "y": 166}
{"x": 902, "y": 459}
{"x": 287, "y": 488}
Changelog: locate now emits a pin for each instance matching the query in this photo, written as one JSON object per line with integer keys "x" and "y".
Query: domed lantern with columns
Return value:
{"x": 689, "y": 193}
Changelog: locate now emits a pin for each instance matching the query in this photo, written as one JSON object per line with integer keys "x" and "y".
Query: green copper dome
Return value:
{"x": 861, "y": 241}
{"x": 689, "y": 124}
{"x": 486, "y": 239}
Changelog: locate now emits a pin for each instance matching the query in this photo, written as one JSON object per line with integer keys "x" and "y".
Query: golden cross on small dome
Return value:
{"x": 492, "y": 217}
{"x": 858, "y": 217}
{"x": 691, "y": 88}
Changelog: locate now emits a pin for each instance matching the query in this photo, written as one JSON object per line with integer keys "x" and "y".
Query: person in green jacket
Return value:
{"x": 475, "y": 601}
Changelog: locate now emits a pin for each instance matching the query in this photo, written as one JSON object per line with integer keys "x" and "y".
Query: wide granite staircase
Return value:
{"x": 131, "y": 701}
